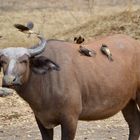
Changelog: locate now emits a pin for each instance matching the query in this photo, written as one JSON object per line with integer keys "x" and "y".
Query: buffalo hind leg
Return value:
{"x": 47, "y": 134}
{"x": 68, "y": 128}
{"x": 132, "y": 116}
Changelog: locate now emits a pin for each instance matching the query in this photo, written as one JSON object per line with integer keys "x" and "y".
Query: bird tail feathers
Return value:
{"x": 110, "y": 58}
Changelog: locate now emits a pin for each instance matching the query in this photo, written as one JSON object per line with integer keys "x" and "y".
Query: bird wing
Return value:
{"x": 108, "y": 51}
{"x": 21, "y": 27}
{"x": 85, "y": 51}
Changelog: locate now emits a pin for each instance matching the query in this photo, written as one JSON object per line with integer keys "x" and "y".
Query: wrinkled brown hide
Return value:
{"x": 86, "y": 88}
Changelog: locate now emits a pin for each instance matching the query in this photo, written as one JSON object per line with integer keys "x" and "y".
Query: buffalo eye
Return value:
{"x": 23, "y": 62}
{"x": 3, "y": 62}
{"x": 23, "y": 59}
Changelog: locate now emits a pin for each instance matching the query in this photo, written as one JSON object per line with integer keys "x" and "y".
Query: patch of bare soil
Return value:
{"x": 17, "y": 123}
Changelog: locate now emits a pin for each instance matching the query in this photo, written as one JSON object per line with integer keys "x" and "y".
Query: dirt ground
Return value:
{"x": 16, "y": 118}
{"x": 17, "y": 123}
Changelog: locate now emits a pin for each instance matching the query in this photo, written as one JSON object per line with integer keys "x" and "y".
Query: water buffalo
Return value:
{"x": 62, "y": 86}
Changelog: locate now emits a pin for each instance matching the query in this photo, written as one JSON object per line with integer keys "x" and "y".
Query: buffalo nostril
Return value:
{"x": 14, "y": 79}
{"x": 9, "y": 79}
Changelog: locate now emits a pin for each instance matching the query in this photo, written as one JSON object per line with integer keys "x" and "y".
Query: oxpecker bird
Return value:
{"x": 26, "y": 29}
{"x": 105, "y": 50}
{"x": 86, "y": 51}
{"x": 79, "y": 40}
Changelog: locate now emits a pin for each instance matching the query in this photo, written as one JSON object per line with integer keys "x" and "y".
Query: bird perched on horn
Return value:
{"x": 79, "y": 40}
{"x": 105, "y": 50}
{"x": 86, "y": 51}
{"x": 27, "y": 29}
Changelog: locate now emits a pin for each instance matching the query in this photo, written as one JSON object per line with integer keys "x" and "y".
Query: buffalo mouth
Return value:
{"x": 13, "y": 85}
{"x": 11, "y": 81}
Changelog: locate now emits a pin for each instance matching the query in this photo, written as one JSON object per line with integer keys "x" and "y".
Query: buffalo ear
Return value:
{"x": 41, "y": 65}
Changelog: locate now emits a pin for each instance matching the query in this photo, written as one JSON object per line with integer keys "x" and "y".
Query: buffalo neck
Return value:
{"x": 31, "y": 91}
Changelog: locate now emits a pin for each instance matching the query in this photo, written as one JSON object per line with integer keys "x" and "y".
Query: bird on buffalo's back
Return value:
{"x": 86, "y": 51}
{"x": 105, "y": 50}
{"x": 79, "y": 40}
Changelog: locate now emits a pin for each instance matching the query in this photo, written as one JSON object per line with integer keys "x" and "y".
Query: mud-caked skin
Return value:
{"x": 62, "y": 86}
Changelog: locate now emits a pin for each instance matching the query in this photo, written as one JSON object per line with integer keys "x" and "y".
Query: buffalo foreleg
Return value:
{"x": 132, "y": 116}
{"x": 47, "y": 134}
{"x": 68, "y": 127}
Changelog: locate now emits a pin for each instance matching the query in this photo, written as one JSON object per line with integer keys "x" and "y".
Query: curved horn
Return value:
{"x": 37, "y": 49}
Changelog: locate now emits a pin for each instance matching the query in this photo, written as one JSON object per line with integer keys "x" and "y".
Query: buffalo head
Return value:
{"x": 17, "y": 63}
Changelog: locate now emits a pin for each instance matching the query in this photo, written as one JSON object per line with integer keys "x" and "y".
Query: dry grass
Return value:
{"x": 65, "y": 24}
{"x": 47, "y": 22}
{"x": 123, "y": 22}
